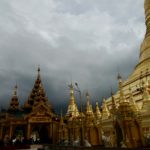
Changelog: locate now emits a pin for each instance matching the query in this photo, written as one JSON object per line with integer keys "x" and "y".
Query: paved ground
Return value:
{"x": 56, "y": 147}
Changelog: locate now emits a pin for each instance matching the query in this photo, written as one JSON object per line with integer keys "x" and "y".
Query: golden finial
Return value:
{"x": 38, "y": 70}
{"x": 87, "y": 98}
{"x": 119, "y": 76}
{"x": 96, "y": 102}
{"x": 89, "y": 109}
{"x": 120, "y": 80}
{"x": 112, "y": 93}
{"x": 113, "y": 99}
{"x": 15, "y": 90}
{"x": 97, "y": 105}
{"x": 71, "y": 90}
{"x": 122, "y": 97}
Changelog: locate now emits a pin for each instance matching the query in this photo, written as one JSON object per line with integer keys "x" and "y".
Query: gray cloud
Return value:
{"x": 88, "y": 40}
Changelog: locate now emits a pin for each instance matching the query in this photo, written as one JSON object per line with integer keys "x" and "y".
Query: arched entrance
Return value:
{"x": 118, "y": 134}
{"x": 40, "y": 133}
{"x": 18, "y": 135}
{"x": 19, "y": 131}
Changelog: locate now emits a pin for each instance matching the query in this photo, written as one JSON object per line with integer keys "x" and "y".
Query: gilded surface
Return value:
{"x": 123, "y": 120}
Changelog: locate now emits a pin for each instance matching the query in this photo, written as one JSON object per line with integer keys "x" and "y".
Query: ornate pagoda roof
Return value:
{"x": 37, "y": 94}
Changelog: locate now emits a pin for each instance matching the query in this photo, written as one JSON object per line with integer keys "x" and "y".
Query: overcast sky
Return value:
{"x": 87, "y": 41}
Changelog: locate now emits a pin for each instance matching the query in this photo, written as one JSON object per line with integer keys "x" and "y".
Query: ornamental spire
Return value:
{"x": 113, "y": 101}
{"x": 38, "y": 70}
{"x": 72, "y": 107}
{"x": 105, "y": 111}
{"x": 97, "y": 111}
{"x": 89, "y": 110}
{"x": 15, "y": 90}
{"x": 14, "y": 103}
{"x": 122, "y": 98}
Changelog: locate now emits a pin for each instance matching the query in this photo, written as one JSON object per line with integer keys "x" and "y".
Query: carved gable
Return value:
{"x": 40, "y": 113}
{"x": 41, "y": 110}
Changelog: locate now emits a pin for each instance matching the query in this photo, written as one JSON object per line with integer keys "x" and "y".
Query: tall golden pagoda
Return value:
{"x": 131, "y": 122}
{"x": 142, "y": 69}
{"x": 141, "y": 72}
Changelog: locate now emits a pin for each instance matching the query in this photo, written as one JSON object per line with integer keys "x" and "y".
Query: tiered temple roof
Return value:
{"x": 37, "y": 94}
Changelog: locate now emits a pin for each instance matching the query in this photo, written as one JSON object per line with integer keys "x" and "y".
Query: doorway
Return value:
{"x": 118, "y": 134}
{"x": 40, "y": 133}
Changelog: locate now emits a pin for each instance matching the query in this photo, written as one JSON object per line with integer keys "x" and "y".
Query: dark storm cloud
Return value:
{"x": 88, "y": 41}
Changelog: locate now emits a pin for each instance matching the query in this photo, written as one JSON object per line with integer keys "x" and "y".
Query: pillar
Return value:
{"x": 1, "y": 132}
{"x": 50, "y": 131}
{"x": 10, "y": 131}
{"x": 28, "y": 131}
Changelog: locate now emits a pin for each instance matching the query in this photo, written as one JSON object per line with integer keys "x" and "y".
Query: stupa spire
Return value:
{"x": 15, "y": 90}
{"x": 105, "y": 111}
{"x": 113, "y": 101}
{"x": 89, "y": 110}
{"x": 14, "y": 103}
{"x": 72, "y": 107}
{"x": 120, "y": 83}
{"x": 38, "y": 70}
{"x": 97, "y": 111}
